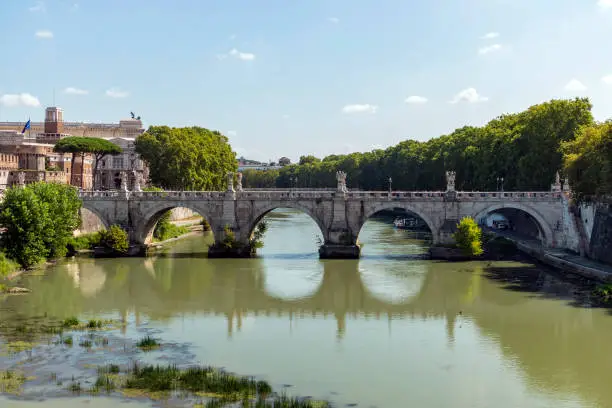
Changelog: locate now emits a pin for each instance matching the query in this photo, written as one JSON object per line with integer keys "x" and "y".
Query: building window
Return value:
{"x": 118, "y": 162}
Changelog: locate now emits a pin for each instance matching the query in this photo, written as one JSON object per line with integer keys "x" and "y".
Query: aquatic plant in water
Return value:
{"x": 147, "y": 343}
{"x": 220, "y": 387}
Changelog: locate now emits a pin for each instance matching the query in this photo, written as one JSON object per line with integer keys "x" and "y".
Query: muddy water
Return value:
{"x": 390, "y": 330}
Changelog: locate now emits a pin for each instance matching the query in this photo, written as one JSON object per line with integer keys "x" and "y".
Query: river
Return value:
{"x": 392, "y": 330}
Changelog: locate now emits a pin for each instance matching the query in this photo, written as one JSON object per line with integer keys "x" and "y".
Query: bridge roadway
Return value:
{"x": 340, "y": 215}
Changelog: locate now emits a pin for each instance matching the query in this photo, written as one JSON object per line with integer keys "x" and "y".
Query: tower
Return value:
{"x": 54, "y": 120}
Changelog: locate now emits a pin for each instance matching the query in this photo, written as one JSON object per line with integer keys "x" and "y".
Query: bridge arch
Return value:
{"x": 541, "y": 223}
{"x": 405, "y": 206}
{"x": 143, "y": 232}
{"x": 91, "y": 207}
{"x": 260, "y": 213}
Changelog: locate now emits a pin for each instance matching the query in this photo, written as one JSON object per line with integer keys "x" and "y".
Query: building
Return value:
{"x": 34, "y": 150}
{"x": 246, "y": 164}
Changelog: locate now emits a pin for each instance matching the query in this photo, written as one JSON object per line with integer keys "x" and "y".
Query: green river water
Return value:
{"x": 392, "y": 330}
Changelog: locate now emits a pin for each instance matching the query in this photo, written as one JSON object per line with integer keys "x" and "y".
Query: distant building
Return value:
{"x": 34, "y": 151}
{"x": 245, "y": 164}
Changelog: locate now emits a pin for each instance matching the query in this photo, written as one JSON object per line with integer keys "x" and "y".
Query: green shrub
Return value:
{"x": 7, "y": 265}
{"x": 256, "y": 241}
{"x": 205, "y": 225}
{"x": 115, "y": 238}
{"x": 166, "y": 230}
{"x": 469, "y": 236}
{"x": 85, "y": 241}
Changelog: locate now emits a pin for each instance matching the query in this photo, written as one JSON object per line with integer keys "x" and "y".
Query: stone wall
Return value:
{"x": 601, "y": 233}
{"x": 181, "y": 213}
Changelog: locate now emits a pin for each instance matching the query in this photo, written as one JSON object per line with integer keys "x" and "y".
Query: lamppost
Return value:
{"x": 500, "y": 184}
{"x": 390, "y": 181}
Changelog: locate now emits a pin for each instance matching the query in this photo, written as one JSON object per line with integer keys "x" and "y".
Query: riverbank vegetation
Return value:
{"x": 190, "y": 158}
{"x": 39, "y": 220}
{"x": 468, "y": 237}
{"x": 524, "y": 148}
{"x": 115, "y": 239}
{"x": 164, "y": 229}
{"x": 218, "y": 387}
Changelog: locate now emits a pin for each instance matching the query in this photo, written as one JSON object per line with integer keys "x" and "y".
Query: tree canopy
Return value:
{"x": 83, "y": 145}
{"x": 39, "y": 220}
{"x": 524, "y": 148}
{"x": 588, "y": 162}
{"x": 191, "y": 158}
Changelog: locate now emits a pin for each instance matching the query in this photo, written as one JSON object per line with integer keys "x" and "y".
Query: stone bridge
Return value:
{"x": 340, "y": 214}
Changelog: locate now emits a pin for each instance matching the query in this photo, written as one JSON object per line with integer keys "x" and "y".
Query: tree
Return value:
{"x": 308, "y": 160}
{"x": 284, "y": 161}
{"x": 39, "y": 220}
{"x": 83, "y": 145}
{"x": 588, "y": 162}
{"x": 191, "y": 158}
{"x": 469, "y": 236}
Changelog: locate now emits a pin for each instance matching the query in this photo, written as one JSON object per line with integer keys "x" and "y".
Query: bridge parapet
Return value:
{"x": 320, "y": 193}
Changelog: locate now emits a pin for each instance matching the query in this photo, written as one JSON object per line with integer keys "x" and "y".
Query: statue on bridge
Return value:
{"x": 450, "y": 181}
{"x": 238, "y": 181}
{"x": 230, "y": 181}
{"x": 556, "y": 186}
{"x": 137, "y": 181}
{"x": 341, "y": 177}
{"x": 21, "y": 179}
{"x": 124, "y": 186}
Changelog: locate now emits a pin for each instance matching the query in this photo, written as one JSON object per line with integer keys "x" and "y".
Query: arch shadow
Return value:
{"x": 95, "y": 211}
{"x": 541, "y": 224}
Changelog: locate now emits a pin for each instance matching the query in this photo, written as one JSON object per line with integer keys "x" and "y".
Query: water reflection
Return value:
{"x": 488, "y": 334}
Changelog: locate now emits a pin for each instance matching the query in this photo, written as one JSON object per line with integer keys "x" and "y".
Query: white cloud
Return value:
{"x": 489, "y": 48}
{"x": 117, "y": 93}
{"x": 490, "y": 36}
{"x": 44, "y": 34}
{"x": 607, "y": 79}
{"x": 575, "y": 86}
{"x": 415, "y": 99}
{"x": 245, "y": 56}
{"x": 469, "y": 95}
{"x": 605, "y": 4}
{"x": 359, "y": 108}
{"x": 15, "y": 100}
{"x": 232, "y": 133}
{"x": 334, "y": 20}
{"x": 39, "y": 7}
{"x": 75, "y": 91}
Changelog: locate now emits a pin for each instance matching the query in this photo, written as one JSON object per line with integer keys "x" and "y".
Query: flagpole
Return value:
{"x": 29, "y": 129}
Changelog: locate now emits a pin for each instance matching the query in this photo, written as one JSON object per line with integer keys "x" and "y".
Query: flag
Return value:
{"x": 26, "y": 127}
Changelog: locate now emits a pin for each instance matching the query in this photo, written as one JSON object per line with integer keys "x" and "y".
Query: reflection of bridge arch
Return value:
{"x": 416, "y": 281}
{"x": 541, "y": 223}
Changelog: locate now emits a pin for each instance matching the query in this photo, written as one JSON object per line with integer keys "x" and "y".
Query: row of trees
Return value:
{"x": 526, "y": 149}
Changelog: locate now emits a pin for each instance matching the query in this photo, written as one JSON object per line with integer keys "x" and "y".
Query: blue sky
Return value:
{"x": 296, "y": 77}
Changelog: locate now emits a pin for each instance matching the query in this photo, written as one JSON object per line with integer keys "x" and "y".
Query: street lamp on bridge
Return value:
{"x": 500, "y": 184}
{"x": 390, "y": 181}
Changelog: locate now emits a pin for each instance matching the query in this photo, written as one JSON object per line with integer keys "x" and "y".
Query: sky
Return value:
{"x": 291, "y": 78}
